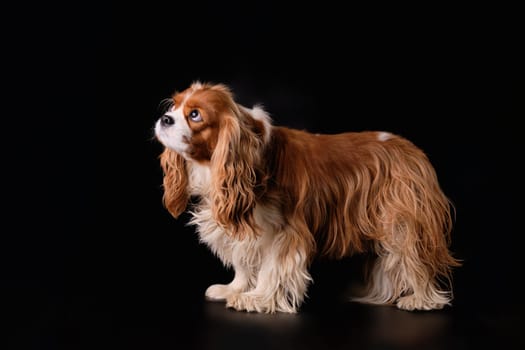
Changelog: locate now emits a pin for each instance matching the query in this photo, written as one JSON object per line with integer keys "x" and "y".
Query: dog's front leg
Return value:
{"x": 243, "y": 280}
{"x": 282, "y": 279}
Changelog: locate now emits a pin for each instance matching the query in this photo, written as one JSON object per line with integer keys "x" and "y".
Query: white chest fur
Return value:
{"x": 199, "y": 179}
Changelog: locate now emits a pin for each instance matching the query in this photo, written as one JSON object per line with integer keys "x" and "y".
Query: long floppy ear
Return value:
{"x": 234, "y": 174}
{"x": 175, "y": 182}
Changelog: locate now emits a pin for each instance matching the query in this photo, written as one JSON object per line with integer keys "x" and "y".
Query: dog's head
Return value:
{"x": 205, "y": 125}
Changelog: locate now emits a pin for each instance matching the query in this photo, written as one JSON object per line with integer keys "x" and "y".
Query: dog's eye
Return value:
{"x": 195, "y": 116}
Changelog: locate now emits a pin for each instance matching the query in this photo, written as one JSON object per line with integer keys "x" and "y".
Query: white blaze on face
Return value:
{"x": 176, "y": 135}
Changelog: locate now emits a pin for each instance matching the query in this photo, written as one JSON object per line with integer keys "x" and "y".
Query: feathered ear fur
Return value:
{"x": 234, "y": 166}
{"x": 175, "y": 182}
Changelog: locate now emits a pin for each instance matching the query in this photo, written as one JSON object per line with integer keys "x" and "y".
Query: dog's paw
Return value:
{"x": 218, "y": 292}
{"x": 247, "y": 302}
{"x": 412, "y": 302}
{"x": 252, "y": 302}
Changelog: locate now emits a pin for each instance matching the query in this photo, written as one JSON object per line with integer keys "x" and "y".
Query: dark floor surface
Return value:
{"x": 128, "y": 307}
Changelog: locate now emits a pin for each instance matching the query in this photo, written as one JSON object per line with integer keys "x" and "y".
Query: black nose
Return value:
{"x": 166, "y": 120}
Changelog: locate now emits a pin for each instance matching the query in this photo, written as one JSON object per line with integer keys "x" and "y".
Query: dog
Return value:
{"x": 269, "y": 198}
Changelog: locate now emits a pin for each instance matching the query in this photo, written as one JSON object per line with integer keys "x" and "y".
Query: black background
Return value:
{"x": 93, "y": 259}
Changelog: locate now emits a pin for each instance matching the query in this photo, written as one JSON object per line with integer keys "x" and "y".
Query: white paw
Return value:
{"x": 218, "y": 292}
{"x": 252, "y": 302}
{"x": 412, "y": 302}
{"x": 247, "y": 302}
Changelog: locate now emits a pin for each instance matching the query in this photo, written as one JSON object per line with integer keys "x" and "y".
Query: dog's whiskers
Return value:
{"x": 165, "y": 105}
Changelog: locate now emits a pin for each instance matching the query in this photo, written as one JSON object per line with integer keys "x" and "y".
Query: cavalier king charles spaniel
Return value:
{"x": 267, "y": 199}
